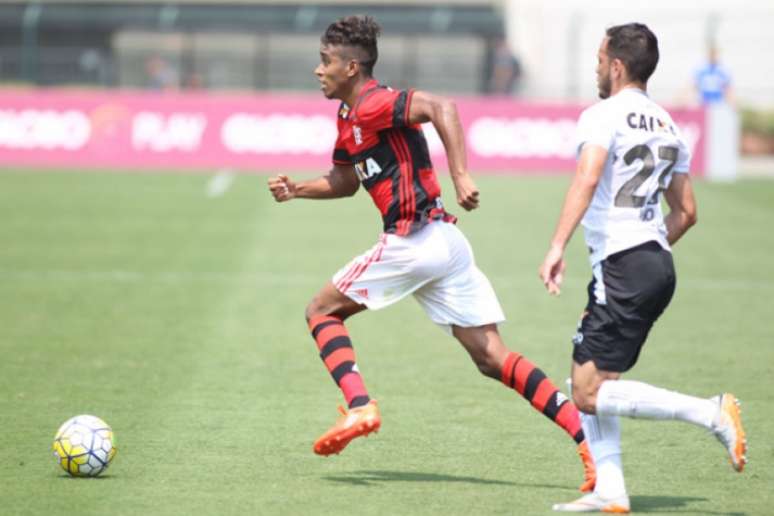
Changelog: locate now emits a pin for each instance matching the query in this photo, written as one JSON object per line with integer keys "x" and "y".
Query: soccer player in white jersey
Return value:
{"x": 630, "y": 151}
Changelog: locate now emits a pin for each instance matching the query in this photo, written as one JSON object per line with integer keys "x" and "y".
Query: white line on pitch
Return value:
{"x": 220, "y": 183}
{"x": 127, "y": 276}
{"x": 721, "y": 284}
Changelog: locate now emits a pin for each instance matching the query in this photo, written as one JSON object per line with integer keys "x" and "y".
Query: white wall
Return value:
{"x": 557, "y": 42}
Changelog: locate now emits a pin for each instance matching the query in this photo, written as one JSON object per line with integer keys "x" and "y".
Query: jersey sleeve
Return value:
{"x": 683, "y": 164}
{"x": 340, "y": 153}
{"x": 594, "y": 128}
{"x": 384, "y": 109}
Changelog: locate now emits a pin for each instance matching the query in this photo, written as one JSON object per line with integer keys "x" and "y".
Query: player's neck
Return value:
{"x": 634, "y": 85}
{"x": 350, "y": 98}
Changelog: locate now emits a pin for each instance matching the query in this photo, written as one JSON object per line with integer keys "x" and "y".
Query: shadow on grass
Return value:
{"x": 99, "y": 477}
{"x": 368, "y": 478}
{"x": 656, "y": 504}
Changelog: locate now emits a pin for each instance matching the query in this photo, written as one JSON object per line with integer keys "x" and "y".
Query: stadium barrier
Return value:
{"x": 264, "y": 132}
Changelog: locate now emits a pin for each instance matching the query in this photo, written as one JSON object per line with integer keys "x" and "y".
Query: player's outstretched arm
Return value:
{"x": 682, "y": 207}
{"x": 341, "y": 181}
{"x": 442, "y": 113}
{"x": 590, "y": 167}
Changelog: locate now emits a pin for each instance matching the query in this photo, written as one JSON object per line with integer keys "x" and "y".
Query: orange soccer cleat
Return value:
{"x": 356, "y": 422}
{"x": 728, "y": 429}
{"x": 589, "y": 470}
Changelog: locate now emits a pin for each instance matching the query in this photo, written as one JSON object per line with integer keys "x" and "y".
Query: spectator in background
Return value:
{"x": 160, "y": 74}
{"x": 194, "y": 81}
{"x": 505, "y": 70}
{"x": 712, "y": 81}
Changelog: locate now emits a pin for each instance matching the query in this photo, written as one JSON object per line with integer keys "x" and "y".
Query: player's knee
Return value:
{"x": 308, "y": 314}
{"x": 585, "y": 401}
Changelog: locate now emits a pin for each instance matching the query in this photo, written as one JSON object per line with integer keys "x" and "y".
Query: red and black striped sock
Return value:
{"x": 339, "y": 357}
{"x": 529, "y": 381}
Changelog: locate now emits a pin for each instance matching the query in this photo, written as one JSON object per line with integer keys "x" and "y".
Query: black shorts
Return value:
{"x": 637, "y": 285}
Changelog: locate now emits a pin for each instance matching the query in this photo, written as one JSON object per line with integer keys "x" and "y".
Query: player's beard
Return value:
{"x": 604, "y": 85}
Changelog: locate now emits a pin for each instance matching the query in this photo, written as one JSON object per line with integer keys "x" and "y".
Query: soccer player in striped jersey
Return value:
{"x": 630, "y": 151}
{"x": 421, "y": 251}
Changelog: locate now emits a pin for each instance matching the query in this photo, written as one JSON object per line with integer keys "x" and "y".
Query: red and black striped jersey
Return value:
{"x": 390, "y": 158}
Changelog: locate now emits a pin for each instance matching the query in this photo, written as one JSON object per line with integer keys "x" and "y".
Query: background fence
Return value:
{"x": 237, "y": 46}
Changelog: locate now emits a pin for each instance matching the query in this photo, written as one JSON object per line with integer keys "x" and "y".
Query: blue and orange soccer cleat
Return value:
{"x": 356, "y": 422}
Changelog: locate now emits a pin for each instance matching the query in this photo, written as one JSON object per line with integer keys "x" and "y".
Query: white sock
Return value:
{"x": 603, "y": 433}
{"x": 640, "y": 400}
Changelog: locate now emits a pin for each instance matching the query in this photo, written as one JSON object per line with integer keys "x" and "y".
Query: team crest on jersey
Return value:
{"x": 358, "y": 133}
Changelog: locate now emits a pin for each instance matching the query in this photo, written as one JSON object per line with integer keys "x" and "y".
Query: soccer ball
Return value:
{"x": 84, "y": 446}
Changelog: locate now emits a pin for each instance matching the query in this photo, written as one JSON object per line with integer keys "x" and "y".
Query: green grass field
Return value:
{"x": 178, "y": 318}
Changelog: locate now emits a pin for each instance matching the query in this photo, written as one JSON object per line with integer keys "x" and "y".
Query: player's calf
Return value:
{"x": 485, "y": 347}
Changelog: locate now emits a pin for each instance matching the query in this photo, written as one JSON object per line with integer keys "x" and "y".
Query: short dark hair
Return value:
{"x": 637, "y": 48}
{"x": 355, "y": 31}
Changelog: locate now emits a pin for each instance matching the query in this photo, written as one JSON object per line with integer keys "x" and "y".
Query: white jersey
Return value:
{"x": 644, "y": 149}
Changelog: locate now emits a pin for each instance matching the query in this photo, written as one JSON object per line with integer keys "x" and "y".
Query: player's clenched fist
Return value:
{"x": 282, "y": 188}
{"x": 467, "y": 193}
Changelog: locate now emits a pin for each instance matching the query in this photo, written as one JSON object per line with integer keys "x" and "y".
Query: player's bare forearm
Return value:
{"x": 682, "y": 207}
{"x": 442, "y": 113}
{"x": 677, "y": 224}
{"x": 576, "y": 202}
{"x": 580, "y": 193}
{"x": 446, "y": 121}
{"x": 330, "y": 186}
{"x": 341, "y": 181}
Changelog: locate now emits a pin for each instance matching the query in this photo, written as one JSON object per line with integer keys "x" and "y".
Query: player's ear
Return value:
{"x": 617, "y": 68}
{"x": 353, "y": 68}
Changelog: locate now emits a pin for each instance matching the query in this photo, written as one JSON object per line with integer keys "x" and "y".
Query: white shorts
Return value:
{"x": 435, "y": 264}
